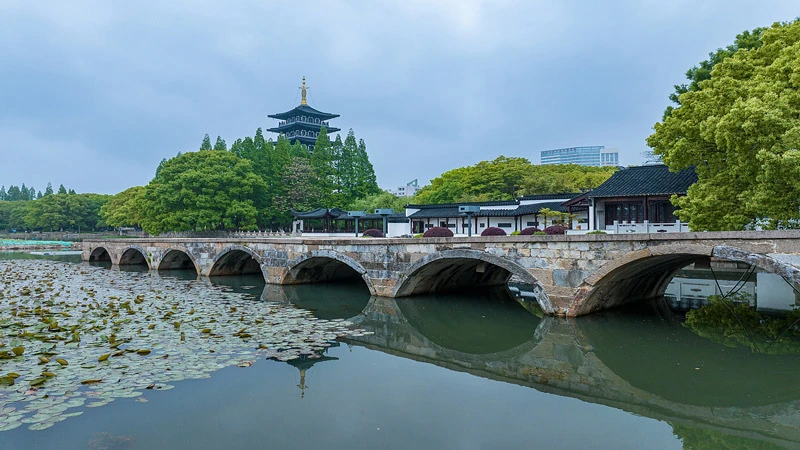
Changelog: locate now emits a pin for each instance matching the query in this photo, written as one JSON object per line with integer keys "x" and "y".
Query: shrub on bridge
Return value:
{"x": 529, "y": 231}
{"x": 373, "y": 232}
{"x": 555, "y": 229}
{"x": 438, "y": 232}
{"x": 493, "y": 231}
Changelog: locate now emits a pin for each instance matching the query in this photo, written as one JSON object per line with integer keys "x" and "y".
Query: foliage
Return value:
{"x": 597, "y": 232}
{"x": 417, "y": 236}
{"x": 733, "y": 322}
{"x": 539, "y": 233}
{"x": 555, "y": 229}
{"x": 383, "y": 199}
{"x": 515, "y": 233}
{"x": 506, "y": 178}
{"x": 205, "y": 190}
{"x": 695, "y": 438}
{"x": 529, "y": 231}
{"x": 298, "y": 191}
{"x": 373, "y": 232}
{"x": 76, "y": 212}
{"x": 740, "y": 129}
{"x": 493, "y": 231}
{"x": 24, "y": 193}
{"x": 747, "y": 40}
{"x": 124, "y": 209}
{"x": 438, "y": 232}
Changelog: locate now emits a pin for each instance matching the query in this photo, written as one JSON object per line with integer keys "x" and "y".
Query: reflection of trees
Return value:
{"x": 738, "y": 324}
{"x": 702, "y": 439}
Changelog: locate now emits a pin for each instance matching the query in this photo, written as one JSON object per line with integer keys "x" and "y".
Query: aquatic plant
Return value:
{"x": 73, "y": 336}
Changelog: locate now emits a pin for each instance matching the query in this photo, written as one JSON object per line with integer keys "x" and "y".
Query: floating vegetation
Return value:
{"x": 74, "y": 336}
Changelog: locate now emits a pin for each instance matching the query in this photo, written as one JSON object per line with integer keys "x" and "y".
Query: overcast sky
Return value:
{"x": 93, "y": 94}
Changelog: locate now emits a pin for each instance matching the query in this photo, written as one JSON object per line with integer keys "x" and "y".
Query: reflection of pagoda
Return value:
{"x": 303, "y": 123}
{"x": 305, "y": 362}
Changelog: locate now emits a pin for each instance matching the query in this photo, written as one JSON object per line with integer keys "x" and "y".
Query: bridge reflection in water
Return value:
{"x": 633, "y": 359}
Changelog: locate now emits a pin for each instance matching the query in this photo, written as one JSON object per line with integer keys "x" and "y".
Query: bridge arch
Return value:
{"x": 325, "y": 265}
{"x": 646, "y": 273}
{"x": 134, "y": 255}
{"x": 236, "y": 260}
{"x": 459, "y": 268}
{"x": 99, "y": 254}
{"x": 177, "y": 259}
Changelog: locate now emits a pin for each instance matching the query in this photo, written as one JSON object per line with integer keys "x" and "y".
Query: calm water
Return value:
{"x": 470, "y": 370}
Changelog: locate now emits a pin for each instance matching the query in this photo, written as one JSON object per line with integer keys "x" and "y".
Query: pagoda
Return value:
{"x": 303, "y": 123}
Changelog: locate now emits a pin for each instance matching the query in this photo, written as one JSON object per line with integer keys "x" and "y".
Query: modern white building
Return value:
{"x": 597, "y": 155}
{"x": 409, "y": 190}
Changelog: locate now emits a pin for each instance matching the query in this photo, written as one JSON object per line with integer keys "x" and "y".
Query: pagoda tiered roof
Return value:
{"x": 303, "y": 110}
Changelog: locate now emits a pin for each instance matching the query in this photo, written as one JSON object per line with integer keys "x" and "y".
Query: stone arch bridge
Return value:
{"x": 572, "y": 275}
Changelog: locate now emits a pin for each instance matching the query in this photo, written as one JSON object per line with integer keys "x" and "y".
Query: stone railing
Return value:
{"x": 647, "y": 227}
{"x": 227, "y": 234}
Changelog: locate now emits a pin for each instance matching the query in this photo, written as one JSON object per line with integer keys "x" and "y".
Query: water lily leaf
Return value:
{"x": 143, "y": 352}
{"x": 103, "y": 357}
{"x": 62, "y": 361}
{"x": 91, "y": 381}
{"x": 18, "y": 351}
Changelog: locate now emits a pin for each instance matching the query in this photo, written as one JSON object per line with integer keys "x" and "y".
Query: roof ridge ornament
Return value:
{"x": 303, "y": 90}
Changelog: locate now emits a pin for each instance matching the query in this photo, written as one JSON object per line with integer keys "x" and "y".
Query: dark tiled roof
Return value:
{"x": 456, "y": 205}
{"x": 340, "y": 214}
{"x": 550, "y": 196}
{"x": 646, "y": 180}
{"x": 303, "y": 109}
{"x": 431, "y": 213}
{"x": 525, "y": 210}
{"x": 318, "y": 213}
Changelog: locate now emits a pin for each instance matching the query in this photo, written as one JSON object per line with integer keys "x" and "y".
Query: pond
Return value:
{"x": 230, "y": 362}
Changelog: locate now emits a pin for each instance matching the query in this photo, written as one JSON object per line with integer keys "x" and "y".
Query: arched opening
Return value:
{"x": 642, "y": 279}
{"x": 450, "y": 274}
{"x": 235, "y": 262}
{"x": 176, "y": 260}
{"x": 99, "y": 254}
{"x": 133, "y": 257}
{"x": 454, "y": 270}
{"x": 321, "y": 269}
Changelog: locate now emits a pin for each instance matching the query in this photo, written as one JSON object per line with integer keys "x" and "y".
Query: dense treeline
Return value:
{"x": 54, "y": 212}
{"x": 506, "y": 178}
{"x": 22, "y": 193}
{"x": 253, "y": 185}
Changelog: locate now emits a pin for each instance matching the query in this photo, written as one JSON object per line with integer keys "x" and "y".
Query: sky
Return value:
{"x": 93, "y": 94}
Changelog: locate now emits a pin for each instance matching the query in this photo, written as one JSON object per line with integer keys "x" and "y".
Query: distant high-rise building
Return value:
{"x": 596, "y": 155}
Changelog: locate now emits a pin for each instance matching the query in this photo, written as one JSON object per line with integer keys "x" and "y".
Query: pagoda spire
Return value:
{"x": 303, "y": 90}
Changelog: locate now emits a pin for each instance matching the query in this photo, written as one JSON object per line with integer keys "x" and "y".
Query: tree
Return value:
{"x": 324, "y": 164}
{"x": 62, "y": 189}
{"x": 124, "y": 209}
{"x": 747, "y": 40}
{"x": 299, "y": 191}
{"x": 206, "y": 144}
{"x": 383, "y": 199}
{"x": 740, "y": 129}
{"x": 49, "y": 189}
{"x": 205, "y": 190}
{"x": 220, "y": 145}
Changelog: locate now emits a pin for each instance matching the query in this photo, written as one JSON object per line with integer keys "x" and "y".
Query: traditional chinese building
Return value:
{"x": 303, "y": 123}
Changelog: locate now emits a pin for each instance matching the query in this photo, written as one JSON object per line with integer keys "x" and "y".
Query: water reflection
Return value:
{"x": 479, "y": 322}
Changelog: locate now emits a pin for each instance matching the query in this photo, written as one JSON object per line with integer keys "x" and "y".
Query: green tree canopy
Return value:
{"x": 206, "y": 190}
{"x": 506, "y": 178}
{"x": 124, "y": 209}
{"x": 741, "y": 130}
{"x": 384, "y": 199}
